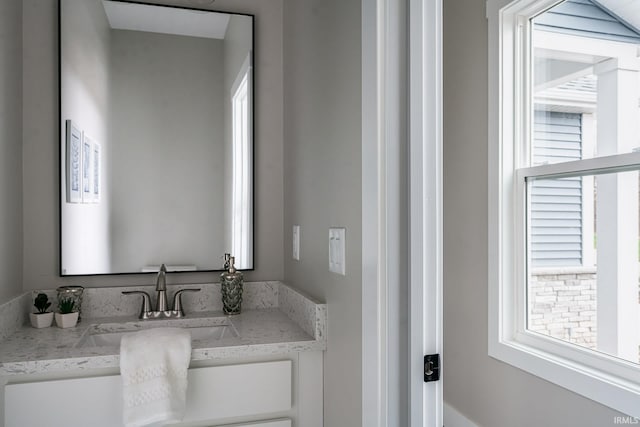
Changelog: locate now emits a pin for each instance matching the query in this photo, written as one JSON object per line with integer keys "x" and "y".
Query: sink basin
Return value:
{"x": 203, "y": 329}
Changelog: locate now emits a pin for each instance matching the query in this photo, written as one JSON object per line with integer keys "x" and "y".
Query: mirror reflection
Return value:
{"x": 156, "y": 117}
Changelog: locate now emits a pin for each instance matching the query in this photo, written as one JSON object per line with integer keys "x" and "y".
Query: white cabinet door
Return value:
{"x": 239, "y": 390}
{"x": 276, "y": 423}
{"x": 95, "y": 402}
{"x": 213, "y": 393}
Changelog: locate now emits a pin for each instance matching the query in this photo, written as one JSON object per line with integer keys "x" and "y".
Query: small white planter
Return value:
{"x": 67, "y": 320}
{"x": 41, "y": 320}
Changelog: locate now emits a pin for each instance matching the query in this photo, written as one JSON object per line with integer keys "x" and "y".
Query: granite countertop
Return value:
{"x": 260, "y": 332}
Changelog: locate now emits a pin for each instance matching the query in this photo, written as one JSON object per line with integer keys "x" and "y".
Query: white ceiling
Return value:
{"x": 167, "y": 20}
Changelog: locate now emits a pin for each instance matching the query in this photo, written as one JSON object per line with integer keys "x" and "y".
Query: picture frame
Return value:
{"x": 96, "y": 183}
{"x": 73, "y": 160}
{"x": 87, "y": 168}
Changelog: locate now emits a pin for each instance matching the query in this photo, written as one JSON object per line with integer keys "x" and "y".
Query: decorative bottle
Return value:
{"x": 231, "y": 285}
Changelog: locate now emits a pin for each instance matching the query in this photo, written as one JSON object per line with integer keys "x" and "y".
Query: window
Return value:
{"x": 242, "y": 179}
{"x": 564, "y": 194}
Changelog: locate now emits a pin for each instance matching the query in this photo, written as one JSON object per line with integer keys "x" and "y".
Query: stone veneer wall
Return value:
{"x": 564, "y": 304}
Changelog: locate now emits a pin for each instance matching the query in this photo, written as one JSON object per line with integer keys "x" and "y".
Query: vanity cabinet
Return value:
{"x": 275, "y": 423}
{"x": 283, "y": 392}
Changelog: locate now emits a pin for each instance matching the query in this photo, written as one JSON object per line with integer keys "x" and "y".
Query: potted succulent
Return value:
{"x": 42, "y": 318}
{"x": 66, "y": 318}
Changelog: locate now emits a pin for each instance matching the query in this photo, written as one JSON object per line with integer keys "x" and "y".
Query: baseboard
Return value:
{"x": 453, "y": 418}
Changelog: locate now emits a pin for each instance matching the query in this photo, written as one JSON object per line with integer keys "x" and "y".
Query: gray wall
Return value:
{"x": 11, "y": 149}
{"x": 322, "y": 160}
{"x": 167, "y": 139}
{"x": 488, "y": 392}
{"x": 41, "y": 148}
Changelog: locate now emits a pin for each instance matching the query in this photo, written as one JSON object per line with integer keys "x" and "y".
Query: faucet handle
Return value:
{"x": 177, "y": 301}
{"x": 146, "y": 303}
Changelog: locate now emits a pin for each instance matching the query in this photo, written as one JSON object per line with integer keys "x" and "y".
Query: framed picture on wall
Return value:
{"x": 96, "y": 158}
{"x": 87, "y": 169}
{"x": 73, "y": 161}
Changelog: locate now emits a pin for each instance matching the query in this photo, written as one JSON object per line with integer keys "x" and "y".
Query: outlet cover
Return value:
{"x": 296, "y": 242}
{"x": 337, "y": 250}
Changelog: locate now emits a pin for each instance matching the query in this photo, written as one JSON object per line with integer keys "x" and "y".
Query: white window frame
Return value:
{"x": 605, "y": 379}
{"x": 242, "y": 176}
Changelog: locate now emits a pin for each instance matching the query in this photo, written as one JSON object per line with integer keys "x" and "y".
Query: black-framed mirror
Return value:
{"x": 156, "y": 138}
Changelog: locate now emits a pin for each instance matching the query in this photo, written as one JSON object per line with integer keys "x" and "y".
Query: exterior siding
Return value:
{"x": 556, "y": 204}
{"x": 586, "y": 18}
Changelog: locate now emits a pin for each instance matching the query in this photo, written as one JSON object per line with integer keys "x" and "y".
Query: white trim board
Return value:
{"x": 393, "y": 124}
{"x": 425, "y": 207}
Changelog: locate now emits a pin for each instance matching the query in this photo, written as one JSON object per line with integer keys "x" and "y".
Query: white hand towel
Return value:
{"x": 153, "y": 365}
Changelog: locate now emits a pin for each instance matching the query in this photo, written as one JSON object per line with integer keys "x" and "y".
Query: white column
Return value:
{"x": 617, "y": 211}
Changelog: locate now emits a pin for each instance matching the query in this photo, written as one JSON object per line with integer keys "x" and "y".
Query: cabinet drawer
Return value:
{"x": 239, "y": 390}
{"x": 274, "y": 423}
{"x": 213, "y": 393}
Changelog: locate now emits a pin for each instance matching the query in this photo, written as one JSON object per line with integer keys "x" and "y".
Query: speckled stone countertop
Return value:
{"x": 294, "y": 323}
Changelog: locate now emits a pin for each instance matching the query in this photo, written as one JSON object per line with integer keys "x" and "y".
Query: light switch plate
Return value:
{"x": 337, "y": 250}
{"x": 296, "y": 242}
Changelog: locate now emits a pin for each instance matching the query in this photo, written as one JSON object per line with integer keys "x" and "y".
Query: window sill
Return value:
{"x": 610, "y": 390}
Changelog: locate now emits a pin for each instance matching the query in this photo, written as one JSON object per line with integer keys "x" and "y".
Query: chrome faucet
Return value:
{"x": 161, "y": 310}
{"x": 161, "y": 289}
